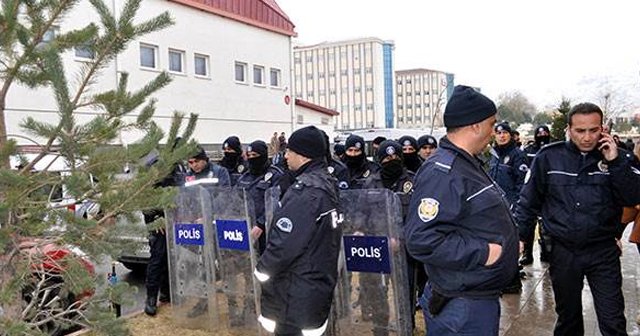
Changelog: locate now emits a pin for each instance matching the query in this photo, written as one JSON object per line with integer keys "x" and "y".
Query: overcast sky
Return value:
{"x": 543, "y": 48}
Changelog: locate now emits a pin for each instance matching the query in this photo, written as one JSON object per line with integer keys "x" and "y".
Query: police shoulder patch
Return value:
{"x": 523, "y": 167}
{"x": 343, "y": 185}
{"x": 240, "y": 168}
{"x": 407, "y": 186}
{"x": 331, "y": 169}
{"x": 366, "y": 174}
{"x": 506, "y": 159}
{"x": 268, "y": 176}
{"x": 428, "y": 209}
{"x": 284, "y": 224}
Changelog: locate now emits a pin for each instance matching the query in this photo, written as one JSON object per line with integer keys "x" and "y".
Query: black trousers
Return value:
{"x": 287, "y": 330}
{"x": 158, "y": 268}
{"x": 601, "y": 266}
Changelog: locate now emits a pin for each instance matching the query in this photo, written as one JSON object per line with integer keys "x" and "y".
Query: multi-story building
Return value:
{"x": 353, "y": 77}
{"x": 421, "y": 95}
{"x": 230, "y": 62}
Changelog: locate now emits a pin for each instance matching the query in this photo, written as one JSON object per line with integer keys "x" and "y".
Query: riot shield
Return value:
{"x": 191, "y": 259}
{"x": 232, "y": 219}
{"x": 372, "y": 295}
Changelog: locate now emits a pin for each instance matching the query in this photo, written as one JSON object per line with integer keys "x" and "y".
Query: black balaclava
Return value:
{"x": 411, "y": 160}
{"x": 391, "y": 170}
{"x": 542, "y": 140}
{"x": 231, "y": 160}
{"x": 353, "y": 162}
{"x": 258, "y": 165}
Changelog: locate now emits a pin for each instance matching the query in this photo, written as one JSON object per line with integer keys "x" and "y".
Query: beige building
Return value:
{"x": 421, "y": 95}
{"x": 353, "y": 77}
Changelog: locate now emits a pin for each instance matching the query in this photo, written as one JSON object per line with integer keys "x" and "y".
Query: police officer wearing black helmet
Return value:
{"x": 360, "y": 168}
{"x": 298, "y": 270}
{"x": 260, "y": 176}
{"x": 460, "y": 226}
{"x": 232, "y": 159}
{"x": 410, "y": 151}
{"x": 427, "y": 144}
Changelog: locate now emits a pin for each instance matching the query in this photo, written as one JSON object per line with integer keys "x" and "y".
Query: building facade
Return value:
{"x": 421, "y": 95}
{"x": 230, "y": 62}
{"x": 353, "y": 77}
{"x": 311, "y": 114}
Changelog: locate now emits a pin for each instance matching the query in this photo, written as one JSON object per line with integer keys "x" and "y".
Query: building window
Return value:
{"x": 85, "y": 51}
{"x": 176, "y": 61}
{"x": 241, "y": 72}
{"x": 48, "y": 36}
{"x": 324, "y": 120}
{"x": 369, "y": 70}
{"x": 148, "y": 56}
{"x": 201, "y": 65}
{"x": 344, "y": 72}
{"x": 274, "y": 77}
{"x": 300, "y": 119}
{"x": 309, "y": 94}
{"x": 258, "y": 75}
{"x": 356, "y": 71}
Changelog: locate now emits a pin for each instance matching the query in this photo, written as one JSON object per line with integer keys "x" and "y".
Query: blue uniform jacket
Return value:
{"x": 213, "y": 171}
{"x": 579, "y": 196}
{"x": 508, "y": 167}
{"x": 256, "y": 186}
{"x": 456, "y": 210}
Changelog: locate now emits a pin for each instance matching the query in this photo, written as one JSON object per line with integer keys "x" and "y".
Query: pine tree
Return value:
{"x": 559, "y": 123}
{"x": 29, "y": 274}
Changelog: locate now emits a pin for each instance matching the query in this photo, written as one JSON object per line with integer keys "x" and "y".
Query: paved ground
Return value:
{"x": 532, "y": 312}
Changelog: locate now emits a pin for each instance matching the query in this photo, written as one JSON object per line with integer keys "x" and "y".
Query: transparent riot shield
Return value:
{"x": 191, "y": 259}
{"x": 236, "y": 287}
{"x": 271, "y": 202}
{"x": 372, "y": 295}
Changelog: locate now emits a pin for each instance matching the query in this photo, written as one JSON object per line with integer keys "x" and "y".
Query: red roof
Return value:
{"x": 265, "y": 14}
{"x": 317, "y": 108}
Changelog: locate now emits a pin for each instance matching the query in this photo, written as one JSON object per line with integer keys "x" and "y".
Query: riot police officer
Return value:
{"x": 507, "y": 165}
{"x": 232, "y": 159}
{"x": 298, "y": 269}
{"x": 157, "y": 276}
{"x": 427, "y": 144}
{"x": 257, "y": 180}
{"x": 541, "y": 138}
{"x": 200, "y": 167}
{"x": 335, "y": 167}
{"x": 410, "y": 152}
{"x": 460, "y": 226}
{"x": 360, "y": 168}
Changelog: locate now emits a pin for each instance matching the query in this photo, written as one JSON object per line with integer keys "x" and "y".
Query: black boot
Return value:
{"x": 527, "y": 255}
{"x": 151, "y": 306}
{"x": 164, "y": 298}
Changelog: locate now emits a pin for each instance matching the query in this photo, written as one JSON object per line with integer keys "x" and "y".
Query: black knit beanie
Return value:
{"x": 427, "y": 140}
{"x": 354, "y": 141}
{"x": 201, "y": 154}
{"x": 503, "y": 127}
{"x": 232, "y": 142}
{"x": 467, "y": 107}
{"x": 259, "y": 147}
{"x": 408, "y": 140}
{"x": 388, "y": 148}
{"x": 308, "y": 142}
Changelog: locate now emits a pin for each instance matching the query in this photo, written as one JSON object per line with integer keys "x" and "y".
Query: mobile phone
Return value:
{"x": 606, "y": 145}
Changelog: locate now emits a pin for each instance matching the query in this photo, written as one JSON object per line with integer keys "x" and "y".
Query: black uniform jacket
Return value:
{"x": 302, "y": 251}
{"x": 579, "y": 195}
{"x": 456, "y": 210}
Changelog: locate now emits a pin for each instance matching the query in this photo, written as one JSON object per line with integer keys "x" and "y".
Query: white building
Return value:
{"x": 230, "y": 62}
{"x": 421, "y": 95}
{"x": 353, "y": 77}
{"x": 311, "y": 114}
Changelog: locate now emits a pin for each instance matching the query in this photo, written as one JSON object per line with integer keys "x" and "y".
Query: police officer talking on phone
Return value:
{"x": 579, "y": 188}
{"x": 460, "y": 227}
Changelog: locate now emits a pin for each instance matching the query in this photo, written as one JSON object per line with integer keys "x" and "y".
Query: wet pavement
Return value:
{"x": 532, "y": 312}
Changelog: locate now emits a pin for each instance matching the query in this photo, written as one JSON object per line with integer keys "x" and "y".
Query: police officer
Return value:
{"x": 410, "y": 152}
{"x": 541, "y": 138}
{"x": 579, "y": 187}
{"x": 507, "y": 165}
{"x": 202, "y": 170}
{"x": 338, "y": 151}
{"x": 335, "y": 167}
{"x": 257, "y": 180}
{"x": 375, "y": 144}
{"x": 298, "y": 270}
{"x": 427, "y": 144}
{"x": 200, "y": 167}
{"x": 232, "y": 159}
{"x": 460, "y": 226}
{"x": 157, "y": 276}
{"x": 360, "y": 168}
